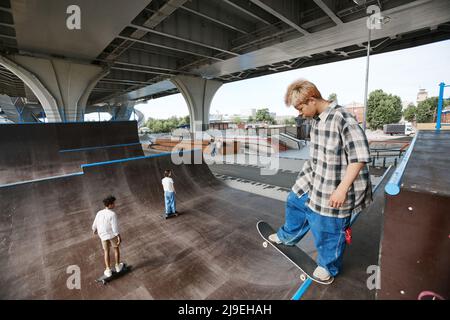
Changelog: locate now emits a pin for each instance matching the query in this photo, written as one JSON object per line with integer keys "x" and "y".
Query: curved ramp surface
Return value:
{"x": 36, "y": 151}
{"x": 210, "y": 251}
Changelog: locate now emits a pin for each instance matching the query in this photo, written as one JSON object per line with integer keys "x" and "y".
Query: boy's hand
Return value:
{"x": 119, "y": 240}
{"x": 339, "y": 195}
{"x": 338, "y": 198}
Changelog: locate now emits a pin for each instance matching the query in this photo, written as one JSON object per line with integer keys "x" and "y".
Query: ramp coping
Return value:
{"x": 393, "y": 186}
{"x": 41, "y": 179}
{"x": 100, "y": 147}
{"x": 135, "y": 158}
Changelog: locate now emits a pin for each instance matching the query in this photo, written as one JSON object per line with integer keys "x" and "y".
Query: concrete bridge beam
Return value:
{"x": 61, "y": 86}
{"x": 198, "y": 93}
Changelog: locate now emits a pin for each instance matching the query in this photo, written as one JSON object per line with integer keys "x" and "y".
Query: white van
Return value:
{"x": 408, "y": 129}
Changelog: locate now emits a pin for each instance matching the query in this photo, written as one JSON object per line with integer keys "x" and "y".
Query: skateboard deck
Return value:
{"x": 297, "y": 256}
{"x": 172, "y": 215}
{"x": 104, "y": 279}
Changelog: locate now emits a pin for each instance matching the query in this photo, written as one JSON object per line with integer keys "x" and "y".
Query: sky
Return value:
{"x": 401, "y": 73}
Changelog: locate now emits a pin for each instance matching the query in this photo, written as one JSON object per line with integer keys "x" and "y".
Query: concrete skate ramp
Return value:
{"x": 415, "y": 254}
{"x": 211, "y": 251}
{"x": 36, "y": 151}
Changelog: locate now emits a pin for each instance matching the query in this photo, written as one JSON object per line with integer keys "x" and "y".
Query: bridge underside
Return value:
{"x": 148, "y": 49}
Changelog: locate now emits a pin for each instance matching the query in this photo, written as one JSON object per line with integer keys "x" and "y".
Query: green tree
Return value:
{"x": 410, "y": 113}
{"x": 263, "y": 115}
{"x": 383, "y": 108}
{"x": 185, "y": 120}
{"x": 149, "y": 122}
{"x": 237, "y": 120}
{"x": 250, "y": 119}
{"x": 166, "y": 125}
{"x": 332, "y": 96}
{"x": 426, "y": 110}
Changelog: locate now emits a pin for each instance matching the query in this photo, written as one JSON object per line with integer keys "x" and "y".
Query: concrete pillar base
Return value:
{"x": 198, "y": 93}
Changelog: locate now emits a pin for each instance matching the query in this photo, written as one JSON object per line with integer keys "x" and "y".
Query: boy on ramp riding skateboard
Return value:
{"x": 333, "y": 184}
{"x": 169, "y": 195}
{"x": 106, "y": 226}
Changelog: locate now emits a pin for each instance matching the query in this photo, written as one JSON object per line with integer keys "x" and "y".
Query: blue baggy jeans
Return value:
{"x": 169, "y": 199}
{"x": 328, "y": 232}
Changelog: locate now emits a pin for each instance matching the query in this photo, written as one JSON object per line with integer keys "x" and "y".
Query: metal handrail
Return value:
{"x": 440, "y": 105}
{"x": 393, "y": 186}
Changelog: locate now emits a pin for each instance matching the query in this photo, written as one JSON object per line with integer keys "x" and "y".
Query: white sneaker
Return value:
{"x": 107, "y": 273}
{"x": 119, "y": 267}
{"x": 321, "y": 273}
{"x": 274, "y": 238}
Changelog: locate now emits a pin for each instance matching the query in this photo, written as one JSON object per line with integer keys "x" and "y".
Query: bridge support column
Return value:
{"x": 120, "y": 112}
{"x": 123, "y": 112}
{"x": 198, "y": 94}
{"x": 61, "y": 86}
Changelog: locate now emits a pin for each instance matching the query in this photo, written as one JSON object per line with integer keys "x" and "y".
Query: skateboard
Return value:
{"x": 104, "y": 279}
{"x": 297, "y": 256}
{"x": 171, "y": 215}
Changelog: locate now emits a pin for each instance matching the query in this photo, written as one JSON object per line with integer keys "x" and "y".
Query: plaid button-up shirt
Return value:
{"x": 336, "y": 141}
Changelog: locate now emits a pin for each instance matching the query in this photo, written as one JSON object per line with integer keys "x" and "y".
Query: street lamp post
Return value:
{"x": 366, "y": 88}
{"x": 374, "y": 20}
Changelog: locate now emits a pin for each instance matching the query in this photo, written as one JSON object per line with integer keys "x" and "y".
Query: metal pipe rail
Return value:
{"x": 393, "y": 186}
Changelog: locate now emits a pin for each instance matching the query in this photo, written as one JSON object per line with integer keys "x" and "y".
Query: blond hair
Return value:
{"x": 300, "y": 91}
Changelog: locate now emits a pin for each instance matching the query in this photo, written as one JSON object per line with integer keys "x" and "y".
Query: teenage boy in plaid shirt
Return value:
{"x": 333, "y": 184}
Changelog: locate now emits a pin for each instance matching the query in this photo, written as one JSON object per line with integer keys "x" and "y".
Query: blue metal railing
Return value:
{"x": 440, "y": 105}
{"x": 301, "y": 291}
{"x": 393, "y": 186}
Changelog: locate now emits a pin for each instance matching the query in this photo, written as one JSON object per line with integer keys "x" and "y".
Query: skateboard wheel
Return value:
{"x": 302, "y": 277}
{"x": 265, "y": 244}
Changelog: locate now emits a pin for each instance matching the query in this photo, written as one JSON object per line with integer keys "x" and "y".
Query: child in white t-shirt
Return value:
{"x": 106, "y": 226}
{"x": 169, "y": 194}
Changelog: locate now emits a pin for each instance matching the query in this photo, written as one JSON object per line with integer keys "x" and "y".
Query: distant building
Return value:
{"x": 357, "y": 109}
{"x": 445, "y": 116}
{"x": 248, "y": 113}
{"x": 405, "y": 104}
{"x": 422, "y": 95}
{"x": 220, "y": 125}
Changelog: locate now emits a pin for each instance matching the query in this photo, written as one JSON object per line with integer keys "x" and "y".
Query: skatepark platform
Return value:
{"x": 415, "y": 254}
